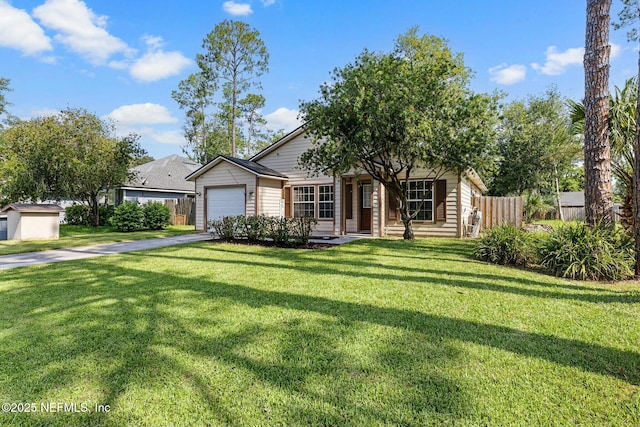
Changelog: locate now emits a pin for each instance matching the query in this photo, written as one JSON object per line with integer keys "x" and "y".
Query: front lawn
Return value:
{"x": 78, "y": 235}
{"x": 375, "y": 332}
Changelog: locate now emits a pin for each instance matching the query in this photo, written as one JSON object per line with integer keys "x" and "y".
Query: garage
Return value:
{"x": 225, "y": 201}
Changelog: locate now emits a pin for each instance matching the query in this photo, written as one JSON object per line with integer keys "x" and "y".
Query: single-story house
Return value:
{"x": 158, "y": 181}
{"x": 271, "y": 183}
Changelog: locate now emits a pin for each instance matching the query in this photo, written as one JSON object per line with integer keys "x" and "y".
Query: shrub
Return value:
{"x": 278, "y": 230}
{"x": 156, "y": 216}
{"x": 506, "y": 245}
{"x": 226, "y": 228}
{"x": 577, "y": 251}
{"x": 254, "y": 227}
{"x": 129, "y": 216}
{"x": 77, "y": 215}
{"x": 81, "y": 215}
{"x": 300, "y": 229}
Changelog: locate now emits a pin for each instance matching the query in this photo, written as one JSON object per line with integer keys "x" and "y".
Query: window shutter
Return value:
{"x": 348, "y": 211}
{"x": 287, "y": 202}
{"x": 393, "y": 208}
{"x": 441, "y": 200}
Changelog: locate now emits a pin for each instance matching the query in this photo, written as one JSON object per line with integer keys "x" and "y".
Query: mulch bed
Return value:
{"x": 271, "y": 244}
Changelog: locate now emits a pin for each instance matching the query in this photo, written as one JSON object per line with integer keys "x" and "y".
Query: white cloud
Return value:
{"x": 18, "y": 31}
{"x": 616, "y": 49}
{"x": 267, "y": 3}
{"x": 154, "y": 66}
{"x": 81, "y": 30}
{"x": 283, "y": 118}
{"x": 507, "y": 74}
{"x": 166, "y": 137}
{"x": 141, "y": 114}
{"x": 237, "y": 9}
{"x": 557, "y": 62}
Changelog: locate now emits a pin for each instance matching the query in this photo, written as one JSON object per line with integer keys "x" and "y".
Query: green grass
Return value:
{"x": 77, "y": 235}
{"x": 376, "y": 332}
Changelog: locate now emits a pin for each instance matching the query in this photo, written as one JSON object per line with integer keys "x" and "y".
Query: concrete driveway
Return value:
{"x": 81, "y": 252}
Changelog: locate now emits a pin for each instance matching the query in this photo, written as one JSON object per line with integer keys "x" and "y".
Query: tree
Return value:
{"x": 597, "y": 164}
{"x": 390, "y": 114}
{"x": 237, "y": 56}
{"x": 622, "y": 135}
{"x": 195, "y": 96}
{"x": 629, "y": 15}
{"x": 4, "y": 87}
{"x": 535, "y": 146}
{"x": 71, "y": 155}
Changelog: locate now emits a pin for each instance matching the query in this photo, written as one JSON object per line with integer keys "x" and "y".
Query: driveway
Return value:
{"x": 81, "y": 252}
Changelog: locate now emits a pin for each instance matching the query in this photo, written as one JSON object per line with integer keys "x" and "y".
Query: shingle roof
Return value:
{"x": 33, "y": 208}
{"x": 248, "y": 165}
{"x": 167, "y": 173}
{"x": 255, "y": 167}
{"x": 572, "y": 198}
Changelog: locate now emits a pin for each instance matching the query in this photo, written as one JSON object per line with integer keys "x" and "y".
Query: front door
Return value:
{"x": 365, "y": 207}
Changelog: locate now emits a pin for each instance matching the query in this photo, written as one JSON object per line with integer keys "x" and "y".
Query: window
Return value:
{"x": 304, "y": 201}
{"x": 420, "y": 200}
{"x": 325, "y": 201}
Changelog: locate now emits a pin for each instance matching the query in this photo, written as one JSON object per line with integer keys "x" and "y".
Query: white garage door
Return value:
{"x": 225, "y": 201}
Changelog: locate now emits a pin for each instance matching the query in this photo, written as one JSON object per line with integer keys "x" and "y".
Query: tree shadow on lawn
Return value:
{"x": 120, "y": 319}
{"x": 126, "y": 336}
{"x": 319, "y": 262}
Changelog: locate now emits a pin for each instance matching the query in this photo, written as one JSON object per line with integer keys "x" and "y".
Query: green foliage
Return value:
{"x": 282, "y": 231}
{"x": 234, "y": 58}
{"x": 536, "y": 206}
{"x": 226, "y": 228}
{"x": 535, "y": 146}
{"x": 4, "y": 87}
{"x": 577, "y": 251}
{"x": 72, "y": 155}
{"x": 506, "y": 245}
{"x": 157, "y": 216}
{"x": 82, "y": 215}
{"x": 77, "y": 215}
{"x": 129, "y": 216}
{"x": 393, "y": 113}
{"x": 254, "y": 227}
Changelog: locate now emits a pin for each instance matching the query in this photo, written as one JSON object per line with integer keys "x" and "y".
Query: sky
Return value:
{"x": 121, "y": 59}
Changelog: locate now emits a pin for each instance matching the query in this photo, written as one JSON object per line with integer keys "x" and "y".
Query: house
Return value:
{"x": 271, "y": 183}
{"x": 158, "y": 181}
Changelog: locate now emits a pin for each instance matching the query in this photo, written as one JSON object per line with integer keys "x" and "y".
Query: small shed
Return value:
{"x": 32, "y": 222}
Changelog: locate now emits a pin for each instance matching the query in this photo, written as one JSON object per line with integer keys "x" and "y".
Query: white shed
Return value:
{"x": 33, "y": 222}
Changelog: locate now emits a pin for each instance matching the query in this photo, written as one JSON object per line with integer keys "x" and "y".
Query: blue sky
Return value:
{"x": 122, "y": 59}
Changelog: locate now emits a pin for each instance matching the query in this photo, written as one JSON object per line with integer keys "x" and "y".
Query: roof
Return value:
{"x": 572, "y": 198}
{"x": 248, "y": 165}
{"x": 33, "y": 208}
{"x": 167, "y": 173}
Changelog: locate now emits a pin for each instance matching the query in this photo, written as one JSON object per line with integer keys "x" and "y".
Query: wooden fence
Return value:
{"x": 498, "y": 210}
{"x": 183, "y": 211}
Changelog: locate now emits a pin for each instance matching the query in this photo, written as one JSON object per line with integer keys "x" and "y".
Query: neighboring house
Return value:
{"x": 572, "y": 205}
{"x": 158, "y": 181}
{"x": 271, "y": 183}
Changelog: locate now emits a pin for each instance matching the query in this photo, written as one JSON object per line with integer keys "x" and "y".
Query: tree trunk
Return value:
{"x": 406, "y": 220}
{"x": 93, "y": 204}
{"x": 597, "y": 163}
{"x": 558, "y": 203}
